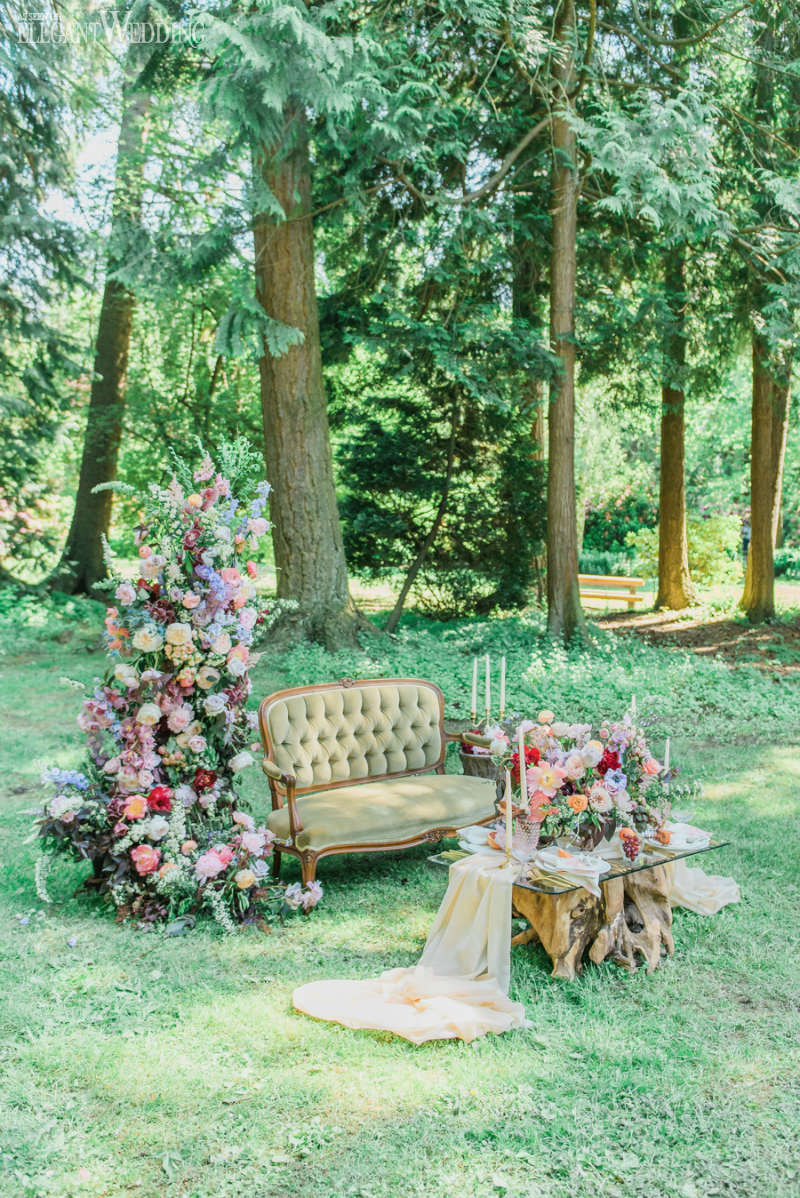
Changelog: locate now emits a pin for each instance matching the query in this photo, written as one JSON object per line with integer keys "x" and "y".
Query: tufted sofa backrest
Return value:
{"x": 341, "y": 732}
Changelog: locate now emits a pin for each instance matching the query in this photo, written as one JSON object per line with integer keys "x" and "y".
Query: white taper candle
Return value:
{"x": 502, "y": 687}
{"x": 509, "y": 827}
{"x": 488, "y": 688}
{"x": 474, "y": 689}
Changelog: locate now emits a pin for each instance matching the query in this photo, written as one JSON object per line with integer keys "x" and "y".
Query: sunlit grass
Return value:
{"x": 135, "y": 1064}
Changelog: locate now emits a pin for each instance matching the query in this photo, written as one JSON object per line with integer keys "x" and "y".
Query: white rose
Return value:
{"x": 156, "y": 827}
{"x": 148, "y": 714}
{"x": 197, "y": 744}
{"x": 185, "y": 794}
{"x": 214, "y": 705}
{"x": 147, "y": 641}
{"x": 207, "y": 676}
{"x": 600, "y": 799}
{"x": 498, "y": 747}
{"x": 560, "y": 728}
{"x": 126, "y": 675}
{"x": 237, "y": 667}
{"x": 221, "y": 643}
{"x": 591, "y": 753}
{"x": 241, "y": 761}
{"x": 179, "y": 634}
{"x": 622, "y": 801}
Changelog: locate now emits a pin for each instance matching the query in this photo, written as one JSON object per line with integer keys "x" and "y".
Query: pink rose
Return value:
{"x": 248, "y": 618}
{"x": 651, "y": 766}
{"x": 197, "y": 743}
{"x": 145, "y": 858}
{"x": 190, "y": 600}
{"x": 252, "y": 569}
{"x": 125, "y": 593}
{"x": 257, "y": 525}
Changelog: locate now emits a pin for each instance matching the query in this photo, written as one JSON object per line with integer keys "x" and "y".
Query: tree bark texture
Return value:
{"x": 526, "y": 282}
{"x": 306, "y": 533}
{"x": 769, "y": 428}
{"x": 564, "y": 613}
{"x": 771, "y": 372}
{"x": 675, "y": 590}
{"x": 82, "y": 563}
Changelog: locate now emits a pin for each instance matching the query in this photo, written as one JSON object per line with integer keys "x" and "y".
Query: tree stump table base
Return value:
{"x": 629, "y": 923}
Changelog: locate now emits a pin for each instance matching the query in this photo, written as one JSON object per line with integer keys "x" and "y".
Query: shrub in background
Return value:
{"x": 713, "y": 550}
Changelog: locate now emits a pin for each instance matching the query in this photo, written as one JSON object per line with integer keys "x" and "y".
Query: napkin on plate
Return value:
{"x": 578, "y": 870}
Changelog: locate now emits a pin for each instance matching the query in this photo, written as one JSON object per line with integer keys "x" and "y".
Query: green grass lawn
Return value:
{"x": 136, "y": 1064}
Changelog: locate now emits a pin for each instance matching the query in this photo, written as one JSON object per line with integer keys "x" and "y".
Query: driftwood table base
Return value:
{"x": 631, "y": 920}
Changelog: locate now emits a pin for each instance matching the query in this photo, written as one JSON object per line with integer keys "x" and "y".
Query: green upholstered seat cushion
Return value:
{"x": 393, "y": 809}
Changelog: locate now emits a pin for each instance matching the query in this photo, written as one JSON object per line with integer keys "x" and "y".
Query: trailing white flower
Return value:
{"x": 41, "y": 871}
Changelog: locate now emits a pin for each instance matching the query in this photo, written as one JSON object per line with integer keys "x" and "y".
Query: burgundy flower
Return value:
{"x": 609, "y": 761}
{"x": 203, "y": 781}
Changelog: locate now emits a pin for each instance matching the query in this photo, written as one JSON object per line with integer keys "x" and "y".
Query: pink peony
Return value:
{"x": 180, "y": 719}
{"x": 224, "y": 852}
{"x": 651, "y": 766}
{"x": 209, "y": 865}
{"x": 231, "y": 576}
{"x": 145, "y": 858}
{"x": 257, "y": 525}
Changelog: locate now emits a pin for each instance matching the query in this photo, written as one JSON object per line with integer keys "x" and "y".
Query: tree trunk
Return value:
{"x": 526, "y": 282}
{"x": 82, "y": 563}
{"x": 564, "y": 613}
{"x": 307, "y": 536}
{"x": 770, "y": 420}
{"x": 675, "y": 589}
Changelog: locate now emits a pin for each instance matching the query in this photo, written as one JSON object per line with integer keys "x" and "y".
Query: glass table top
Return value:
{"x": 617, "y": 869}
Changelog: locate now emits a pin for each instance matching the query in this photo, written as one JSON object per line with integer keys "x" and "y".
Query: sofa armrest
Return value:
{"x": 289, "y": 783}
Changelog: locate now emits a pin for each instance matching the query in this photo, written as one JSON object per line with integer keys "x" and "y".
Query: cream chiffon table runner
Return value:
{"x": 459, "y": 988}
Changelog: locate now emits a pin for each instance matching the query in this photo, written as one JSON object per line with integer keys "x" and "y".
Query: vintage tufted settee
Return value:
{"x": 359, "y": 767}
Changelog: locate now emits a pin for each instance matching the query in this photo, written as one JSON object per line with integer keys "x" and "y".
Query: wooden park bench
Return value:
{"x": 358, "y": 767}
{"x": 611, "y": 588}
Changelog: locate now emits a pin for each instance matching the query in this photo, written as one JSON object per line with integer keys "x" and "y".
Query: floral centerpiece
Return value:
{"x": 155, "y": 808}
{"x": 583, "y": 785}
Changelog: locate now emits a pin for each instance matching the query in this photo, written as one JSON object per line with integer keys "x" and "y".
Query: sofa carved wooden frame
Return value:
{"x": 284, "y": 788}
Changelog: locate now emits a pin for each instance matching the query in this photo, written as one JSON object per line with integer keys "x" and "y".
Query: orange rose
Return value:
{"x": 578, "y": 803}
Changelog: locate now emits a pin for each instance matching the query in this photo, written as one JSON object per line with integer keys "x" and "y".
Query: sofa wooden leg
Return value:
{"x": 276, "y": 864}
{"x": 308, "y": 867}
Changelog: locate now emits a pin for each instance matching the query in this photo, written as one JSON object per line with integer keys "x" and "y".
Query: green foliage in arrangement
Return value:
{"x": 714, "y": 549}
